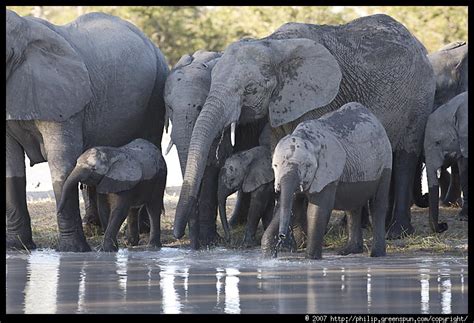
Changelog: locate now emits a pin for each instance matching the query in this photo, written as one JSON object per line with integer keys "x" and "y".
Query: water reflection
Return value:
{"x": 220, "y": 281}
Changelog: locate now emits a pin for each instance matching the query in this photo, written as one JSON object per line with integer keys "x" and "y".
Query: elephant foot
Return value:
{"x": 316, "y": 256}
{"x": 133, "y": 241}
{"x": 398, "y": 231}
{"x": 380, "y": 252}
{"x": 108, "y": 245}
{"x": 73, "y": 245}
{"x": 15, "y": 242}
{"x": 351, "y": 248}
{"x": 154, "y": 243}
{"x": 249, "y": 241}
{"x": 462, "y": 216}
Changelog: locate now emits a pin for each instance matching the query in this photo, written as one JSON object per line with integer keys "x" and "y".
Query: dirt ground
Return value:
{"x": 454, "y": 241}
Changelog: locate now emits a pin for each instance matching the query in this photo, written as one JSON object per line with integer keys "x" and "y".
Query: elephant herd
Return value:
{"x": 310, "y": 119}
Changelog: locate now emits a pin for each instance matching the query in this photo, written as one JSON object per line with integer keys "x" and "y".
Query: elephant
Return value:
{"x": 450, "y": 65}
{"x": 97, "y": 81}
{"x": 251, "y": 171}
{"x": 303, "y": 71}
{"x": 340, "y": 161}
{"x": 126, "y": 178}
{"x": 446, "y": 142}
{"x": 186, "y": 90}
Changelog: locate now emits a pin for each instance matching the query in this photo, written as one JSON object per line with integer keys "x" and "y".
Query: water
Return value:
{"x": 176, "y": 280}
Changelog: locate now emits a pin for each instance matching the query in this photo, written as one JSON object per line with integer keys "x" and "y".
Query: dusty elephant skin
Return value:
{"x": 303, "y": 71}
{"x": 186, "y": 90}
{"x": 446, "y": 142}
{"x": 126, "y": 178}
{"x": 107, "y": 91}
{"x": 251, "y": 171}
{"x": 339, "y": 161}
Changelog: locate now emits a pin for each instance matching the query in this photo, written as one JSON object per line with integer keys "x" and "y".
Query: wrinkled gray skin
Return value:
{"x": 186, "y": 90}
{"x": 446, "y": 142}
{"x": 340, "y": 161}
{"x": 450, "y": 65}
{"x": 249, "y": 171}
{"x": 97, "y": 81}
{"x": 303, "y": 71}
{"x": 125, "y": 179}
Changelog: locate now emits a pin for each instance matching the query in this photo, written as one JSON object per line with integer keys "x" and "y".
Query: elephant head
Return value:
{"x": 445, "y": 137}
{"x": 109, "y": 169}
{"x": 307, "y": 162}
{"x": 39, "y": 57}
{"x": 186, "y": 90}
{"x": 450, "y": 65}
{"x": 246, "y": 170}
{"x": 276, "y": 79}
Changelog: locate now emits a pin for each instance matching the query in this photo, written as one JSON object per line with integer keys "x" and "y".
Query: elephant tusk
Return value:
{"x": 170, "y": 145}
{"x": 232, "y": 133}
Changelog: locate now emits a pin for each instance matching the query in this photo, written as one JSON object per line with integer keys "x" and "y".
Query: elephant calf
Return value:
{"x": 446, "y": 143}
{"x": 251, "y": 171}
{"x": 339, "y": 161}
{"x": 125, "y": 178}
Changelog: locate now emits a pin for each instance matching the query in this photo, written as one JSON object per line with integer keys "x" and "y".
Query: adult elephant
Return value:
{"x": 186, "y": 90}
{"x": 303, "y": 71}
{"x": 97, "y": 81}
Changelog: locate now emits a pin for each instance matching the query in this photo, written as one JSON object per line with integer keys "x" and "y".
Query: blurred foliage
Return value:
{"x": 179, "y": 30}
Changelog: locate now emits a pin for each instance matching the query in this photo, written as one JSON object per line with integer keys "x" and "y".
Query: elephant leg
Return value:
{"x": 454, "y": 191}
{"x": 258, "y": 201}
{"x": 403, "y": 173}
{"x": 119, "y": 206}
{"x": 18, "y": 235}
{"x": 240, "y": 213}
{"x": 268, "y": 214}
{"x": 463, "y": 172}
{"x": 355, "y": 242}
{"x": 364, "y": 217}
{"x": 444, "y": 179}
{"x": 133, "y": 235}
{"x": 318, "y": 218}
{"x": 91, "y": 218}
{"x": 208, "y": 207}
{"x": 143, "y": 220}
{"x": 378, "y": 209}
{"x": 154, "y": 209}
{"x": 63, "y": 145}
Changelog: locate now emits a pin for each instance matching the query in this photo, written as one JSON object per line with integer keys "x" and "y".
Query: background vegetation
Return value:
{"x": 179, "y": 30}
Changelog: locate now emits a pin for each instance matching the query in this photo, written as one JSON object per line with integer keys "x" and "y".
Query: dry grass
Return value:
{"x": 453, "y": 241}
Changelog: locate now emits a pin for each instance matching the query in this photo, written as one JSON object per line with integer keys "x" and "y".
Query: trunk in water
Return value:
{"x": 77, "y": 175}
{"x": 288, "y": 186}
{"x": 433, "y": 191}
{"x": 222, "y": 213}
{"x": 209, "y": 125}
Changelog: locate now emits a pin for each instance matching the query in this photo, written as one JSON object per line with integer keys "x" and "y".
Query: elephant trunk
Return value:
{"x": 288, "y": 186}
{"x": 214, "y": 117}
{"x": 433, "y": 191}
{"x": 223, "y": 193}
{"x": 78, "y": 174}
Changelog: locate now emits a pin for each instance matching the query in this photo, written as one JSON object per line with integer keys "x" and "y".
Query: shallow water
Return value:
{"x": 176, "y": 280}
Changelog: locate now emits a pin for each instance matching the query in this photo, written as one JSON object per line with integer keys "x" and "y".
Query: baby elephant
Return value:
{"x": 125, "y": 178}
{"x": 446, "y": 144}
{"x": 251, "y": 171}
{"x": 340, "y": 161}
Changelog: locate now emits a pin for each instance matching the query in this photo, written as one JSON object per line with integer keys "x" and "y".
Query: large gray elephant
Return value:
{"x": 446, "y": 142}
{"x": 303, "y": 71}
{"x": 186, "y": 90}
{"x": 340, "y": 161}
{"x": 249, "y": 171}
{"x": 97, "y": 81}
{"x": 126, "y": 178}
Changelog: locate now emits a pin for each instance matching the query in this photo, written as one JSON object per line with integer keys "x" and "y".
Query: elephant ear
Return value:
{"x": 259, "y": 172}
{"x": 308, "y": 78}
{"x": 461, "y": 125}
{"x": 50, "y": 82}
{"x": 124, "y": 173}
{"x": 331, "y": 161}
{"x": 186, "y": 59}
